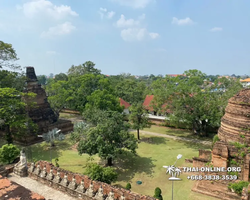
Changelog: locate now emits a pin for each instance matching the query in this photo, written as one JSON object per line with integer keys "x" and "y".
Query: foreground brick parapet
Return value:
{"x": 10, "y": 190}
{"x": 78, "y": 185}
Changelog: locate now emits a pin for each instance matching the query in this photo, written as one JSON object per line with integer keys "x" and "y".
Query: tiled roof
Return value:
{"x": 13, "y": 191}
{"x": 245, "y": 80}
{"x": 124, "y": 103}
{"x": 149, "y": 106}
{"x": 147, "y": 102}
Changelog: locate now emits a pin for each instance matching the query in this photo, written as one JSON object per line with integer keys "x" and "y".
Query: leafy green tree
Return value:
{"x": 139, "y": 118}
{"x": 60, "y": 95}
{"x": 13, "y": 112}
{"x": 103, "y": 100}
{"x": 61, "y": 77}
{"x": 131, "y": 90}
{"x": 12, "y": 79}
{"x": 103, "y": 174}
{"x": 109, "y": 138}
{"x": 8, "y": 153}
{"x": 8, "y": 56}
{"x": 85, "y": 68}
{"x": 42, "y": 79}
{"x": 157, "y": 194}
{"x": 193, "y": 100}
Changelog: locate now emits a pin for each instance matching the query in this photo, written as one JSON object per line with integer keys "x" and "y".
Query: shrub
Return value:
{"x": 8, "y": 153}
{"x": 56, "y": 160}
{"x": 238, "y": 187}
{"x": 158, "y": 194}
{"x": 216, "y": 138}
{"x": 128, "y": 186}
{"x": 99, "y": 173}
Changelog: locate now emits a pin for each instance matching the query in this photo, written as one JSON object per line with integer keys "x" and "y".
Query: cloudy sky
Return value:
{"x": 129, "y": 36}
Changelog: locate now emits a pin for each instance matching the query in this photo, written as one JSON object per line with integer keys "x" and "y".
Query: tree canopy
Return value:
{"x": 8, "y": 56}
{"x": 193, "y": 100}
{"x": 85, "y": 68}
{"x": 109, "y": 138}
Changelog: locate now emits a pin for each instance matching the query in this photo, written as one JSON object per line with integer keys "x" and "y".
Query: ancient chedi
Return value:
{"x": 235, "y": 124}
{"x": 42, "y": 114}
{"x": 231, "y": 150}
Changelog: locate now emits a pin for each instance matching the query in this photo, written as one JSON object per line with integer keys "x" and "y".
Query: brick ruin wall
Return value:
{"x": 78, "y": 185}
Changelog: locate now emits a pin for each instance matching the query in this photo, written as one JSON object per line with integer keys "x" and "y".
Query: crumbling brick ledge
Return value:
{"x": 78, "y": 185}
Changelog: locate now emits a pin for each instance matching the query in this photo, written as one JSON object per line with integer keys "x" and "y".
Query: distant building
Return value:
{"x": 126, "y": 106}
{"x": 245, "y": 82}
{"x": 149, "y": 106}
{"x": 175, "y": 75}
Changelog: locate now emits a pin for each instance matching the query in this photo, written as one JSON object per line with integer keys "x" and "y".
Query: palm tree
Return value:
{"x": 170, "y": 170}
{"x": 177, "y": 171}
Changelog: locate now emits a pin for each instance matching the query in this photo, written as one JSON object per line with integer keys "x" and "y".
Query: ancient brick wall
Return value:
{"x": 79, "y": 185}
{"x": 205, "y": 154}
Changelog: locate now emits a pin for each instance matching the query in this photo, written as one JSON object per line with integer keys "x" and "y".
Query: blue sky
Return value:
{"x": 130, "y": 36}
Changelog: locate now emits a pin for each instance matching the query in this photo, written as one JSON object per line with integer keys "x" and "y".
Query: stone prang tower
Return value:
{"x": 42, "y": 114}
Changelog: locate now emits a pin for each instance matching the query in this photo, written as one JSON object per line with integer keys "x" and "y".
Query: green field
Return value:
{"x": 146, "y": 166}
{"x": 177, "y": 132}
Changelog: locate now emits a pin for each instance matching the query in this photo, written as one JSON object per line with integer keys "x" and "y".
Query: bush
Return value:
{"x": 158, "y": 194}
{"x": 103, "y": 174}
{"x": 128, "y": 186}
{"x": 8, "y": 153}
{"x": 56, "y": 161}
{"x": 216, "y": 138}
{"x": 238, "y": 187}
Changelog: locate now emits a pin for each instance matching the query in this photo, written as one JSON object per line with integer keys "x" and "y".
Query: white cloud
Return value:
{"x": 110, "y": 14}
{"x": 46, "y": 8}
{"x": 216, "y": 29}
{"x": 186, "y": 21}
{"x": 123, "y": 22}
{"x": 154, "y": 35}
{"x": 61, "y": 29}
{"x": 137, "y": 34}
{"x": 134, "y": 3}
{"x": 104, "y": 13}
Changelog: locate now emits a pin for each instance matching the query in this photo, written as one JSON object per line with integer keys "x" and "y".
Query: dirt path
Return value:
{"x": 175, "y": 137}
{"x": 39, "y": 188}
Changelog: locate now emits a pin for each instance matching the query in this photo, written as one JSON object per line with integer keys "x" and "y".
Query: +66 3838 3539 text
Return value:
{"x": 212, "y": 177}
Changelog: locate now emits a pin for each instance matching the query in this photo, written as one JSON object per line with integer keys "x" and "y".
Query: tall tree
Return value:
{"x": 42, "y": 79}
{"x": 61, "y": 77}
{"x": 85, "y": 68}
{"x": 13, "y": 112}
{"x": 193, "y": 100}
{"x": 8, "y": 56}
{"x": 139, "y": 118}
{"x": 131, "y": 90}
{"x": 109, "y": 138}
{"x": 103, "y": 100}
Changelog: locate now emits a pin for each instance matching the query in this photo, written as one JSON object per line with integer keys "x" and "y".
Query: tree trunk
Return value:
{"x": 138, "y": 134}
{"x": 8, "y": 135}
{"x": 109, "y": 162}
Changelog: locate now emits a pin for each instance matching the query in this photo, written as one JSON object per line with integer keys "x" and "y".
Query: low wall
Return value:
{"x": 205, "y": 154}
{"x": 7, "y": 170}
{"x": 78, "y": 185}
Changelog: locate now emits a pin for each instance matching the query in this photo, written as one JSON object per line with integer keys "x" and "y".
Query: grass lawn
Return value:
{"x": 177, "y": 132}
{"x": 146, "y": 166}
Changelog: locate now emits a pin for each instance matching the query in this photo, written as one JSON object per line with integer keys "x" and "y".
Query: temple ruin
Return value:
{"x": 231, "y": 150}
{"x": 42, "y": 114}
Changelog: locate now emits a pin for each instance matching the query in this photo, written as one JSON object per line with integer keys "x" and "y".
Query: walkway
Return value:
{"x": 39, "y": 188}
{"x": 175, "y": 137}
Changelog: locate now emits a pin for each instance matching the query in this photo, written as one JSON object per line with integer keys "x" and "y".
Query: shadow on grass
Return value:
{"x": 153, "y": 140}
{"x": 195, "y": 145}
{"x": 43, "y": 151}
{"x": 128, "y": 165}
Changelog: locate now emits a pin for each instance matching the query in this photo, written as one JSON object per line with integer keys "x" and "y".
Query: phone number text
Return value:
{"x": 212, "y": 177}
